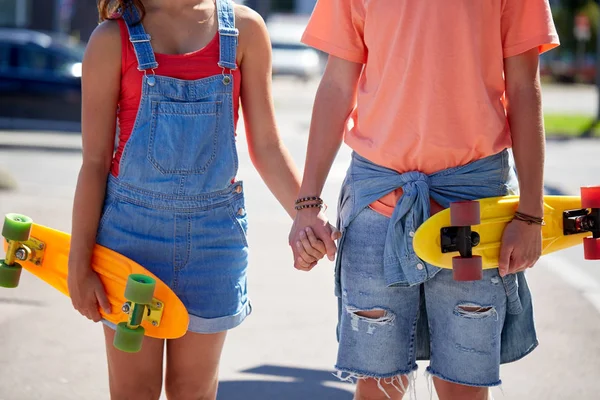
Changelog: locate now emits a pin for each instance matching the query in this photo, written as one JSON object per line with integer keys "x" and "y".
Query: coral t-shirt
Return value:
{"x": 431, "y": 95}
{"x": 190, "y": 66}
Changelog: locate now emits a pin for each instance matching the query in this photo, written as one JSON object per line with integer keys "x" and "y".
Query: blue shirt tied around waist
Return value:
{"x": 367, "y": 182}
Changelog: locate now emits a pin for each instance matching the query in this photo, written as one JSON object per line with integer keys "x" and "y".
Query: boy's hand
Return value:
{"x": 311, "y": 238}
{"x": 310, "y": 249}
{"x": 521, "y": 247}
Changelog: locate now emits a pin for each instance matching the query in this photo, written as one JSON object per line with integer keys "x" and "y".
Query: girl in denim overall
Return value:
{"x": 168, "y": 197}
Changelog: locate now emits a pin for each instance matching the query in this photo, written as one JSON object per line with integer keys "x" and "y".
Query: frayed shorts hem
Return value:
{"x": 352, "y": 373}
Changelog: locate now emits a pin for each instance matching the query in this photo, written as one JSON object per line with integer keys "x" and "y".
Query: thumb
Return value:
{"x": 335, "y": 234}
{"x": 330, "y": 246}
{"x": 504, "y": 259}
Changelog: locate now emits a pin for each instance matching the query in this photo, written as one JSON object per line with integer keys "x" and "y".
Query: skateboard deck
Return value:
{"x": 45, "y": 254}
{"x": 444, "y": 243}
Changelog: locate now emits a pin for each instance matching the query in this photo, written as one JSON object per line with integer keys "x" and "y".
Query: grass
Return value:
{"x": 568, "y": 125}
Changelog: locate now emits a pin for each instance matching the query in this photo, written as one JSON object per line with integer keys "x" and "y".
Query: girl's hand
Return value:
{"x": 311, "y": 238}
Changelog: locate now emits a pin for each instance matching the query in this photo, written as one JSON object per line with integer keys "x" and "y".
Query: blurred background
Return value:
{"x": 287, "y": 349}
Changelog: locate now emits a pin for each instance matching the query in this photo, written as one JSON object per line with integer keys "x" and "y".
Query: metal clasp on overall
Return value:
{"x": 226, "y": 78}
{"x": 150, "y": 79}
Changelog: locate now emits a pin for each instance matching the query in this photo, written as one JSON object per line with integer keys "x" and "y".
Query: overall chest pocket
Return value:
{"x": 183, "y": 136}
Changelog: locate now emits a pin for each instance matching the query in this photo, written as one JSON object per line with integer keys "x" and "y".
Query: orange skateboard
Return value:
{"x": 142, "y": 304}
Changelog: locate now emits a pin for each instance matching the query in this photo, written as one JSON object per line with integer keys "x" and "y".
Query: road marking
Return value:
{"x": 586, "y": 284}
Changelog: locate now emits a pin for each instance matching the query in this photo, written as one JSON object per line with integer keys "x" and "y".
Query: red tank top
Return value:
{"x": 196, "y": 65}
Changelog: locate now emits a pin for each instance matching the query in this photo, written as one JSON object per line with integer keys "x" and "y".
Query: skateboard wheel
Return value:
{"x": 140, "y": 289}
{"x": 128, "y": 339}
{"x": 16, "y": 227}
{"x": 590, "y": 197}
{"x": 467, "y": 268}
{"x": 591, "y": 248}
{"x": 9, "y": 275}
{"x": 464, "y": 213}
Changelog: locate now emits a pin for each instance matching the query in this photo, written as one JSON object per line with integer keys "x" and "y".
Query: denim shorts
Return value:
{"x": 465, "y": 319}
{"x": 197, "y": 246}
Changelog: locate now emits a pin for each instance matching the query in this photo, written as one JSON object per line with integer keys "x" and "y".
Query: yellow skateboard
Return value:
{"x": 142, "y": 305}
{"x": 467, "y": 237}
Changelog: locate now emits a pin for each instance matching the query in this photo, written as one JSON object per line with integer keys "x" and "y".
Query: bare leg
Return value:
{"x": 452, "y": 391}
{"x": 134, "y": 376}
{"x": 193, "y": 366}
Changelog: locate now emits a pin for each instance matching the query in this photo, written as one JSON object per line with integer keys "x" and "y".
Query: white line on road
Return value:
{"x": 576, "y": 277}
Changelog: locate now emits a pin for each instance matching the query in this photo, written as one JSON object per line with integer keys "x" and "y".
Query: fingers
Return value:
{"x": 103, "y": 300}
{"x": 315, "y": 242}
{"x": 300, "y": 263}
{"x": 504, "y": 259}
{"x": 329, "y": 246}
{"x": 304, "y": 259}
{"x": 89, "y": 310}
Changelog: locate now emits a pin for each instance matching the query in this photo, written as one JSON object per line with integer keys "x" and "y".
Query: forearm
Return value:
{"x": 331, "y": 109}
{"x": 527, "y": 129}
{"x": 277, "y": 169}
{"x": 87, "y": 207}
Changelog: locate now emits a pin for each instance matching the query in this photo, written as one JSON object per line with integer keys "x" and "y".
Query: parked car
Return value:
{"x": 40, "y": 77}
{"x": 290, "y": 55}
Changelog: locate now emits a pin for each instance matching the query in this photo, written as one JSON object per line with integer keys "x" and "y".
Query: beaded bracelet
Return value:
{"x": 313, "y": 205}
{"x": 311, "y": 198}
{"x": 529, "y": 219}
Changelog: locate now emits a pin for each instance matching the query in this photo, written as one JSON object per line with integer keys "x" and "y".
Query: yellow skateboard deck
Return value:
{"x": 567, "y": 224}
{"x": 45, "y": 252}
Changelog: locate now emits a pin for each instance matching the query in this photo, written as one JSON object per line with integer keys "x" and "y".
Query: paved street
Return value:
{"x": 287, "y": 348}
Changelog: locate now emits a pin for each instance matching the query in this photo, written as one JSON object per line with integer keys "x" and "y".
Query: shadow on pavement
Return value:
{"x": 21, "y": 302}
{"x": 306, "y": 384}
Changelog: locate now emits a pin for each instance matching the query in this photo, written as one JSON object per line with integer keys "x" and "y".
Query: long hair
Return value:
{"x": 109, "y": 9}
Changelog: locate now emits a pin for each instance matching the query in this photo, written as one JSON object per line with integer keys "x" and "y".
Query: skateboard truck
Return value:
{"x": 583, "y": 220}
{"x": 30, "y": 250}
{"x": 459, "y": 238}
{"x": 586, "y": 219}
{"x": 143, "y": 312}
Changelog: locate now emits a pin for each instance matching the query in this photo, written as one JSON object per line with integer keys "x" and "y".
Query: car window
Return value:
{"x": 65, "y": 66}
{"x": 5, "y": 56}
{"x": 36, "y": 60}
{"x": 33, "y": 59}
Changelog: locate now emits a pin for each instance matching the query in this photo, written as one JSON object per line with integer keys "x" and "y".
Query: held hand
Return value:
{"x": 87, "y": 293}
{"x": 311, "y": 237}
{"x": 521, "y": 247}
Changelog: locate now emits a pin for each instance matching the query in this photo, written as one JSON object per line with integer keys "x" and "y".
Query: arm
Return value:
{"x": 267, "y": 151}
{"x": 524, "y": 112}
{"x": 521, "y": 244}
{"x": 100, "y": 92}
{"x": 335, "y": 99}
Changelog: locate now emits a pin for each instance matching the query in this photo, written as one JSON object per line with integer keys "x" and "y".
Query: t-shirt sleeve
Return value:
{"x": 527, "y": 24}
{"x": 337, "y": 28}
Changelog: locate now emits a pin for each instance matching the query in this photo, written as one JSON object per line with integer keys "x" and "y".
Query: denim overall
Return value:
{"x": 175, "y": 206}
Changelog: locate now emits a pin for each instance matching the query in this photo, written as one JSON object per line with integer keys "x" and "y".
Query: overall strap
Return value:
{"x": 140, "y": 39}
{"x": 228, "y": 34}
